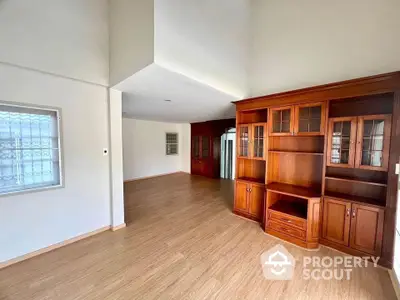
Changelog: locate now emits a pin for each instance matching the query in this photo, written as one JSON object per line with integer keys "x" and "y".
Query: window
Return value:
{"x": 171, "y": 143}
{"x": 29, "y": 148}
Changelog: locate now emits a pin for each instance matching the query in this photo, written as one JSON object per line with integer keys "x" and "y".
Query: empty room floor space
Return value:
{"x": 181, "y": 242}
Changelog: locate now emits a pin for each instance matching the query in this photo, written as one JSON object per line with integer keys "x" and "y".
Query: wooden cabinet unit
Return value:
{"x": 361, "y": 142}
{"x": 249, "y": 200}
{"x": 353, "y": 225}
{"x": 336, "y": 221}
{"x": 320, "y": 164}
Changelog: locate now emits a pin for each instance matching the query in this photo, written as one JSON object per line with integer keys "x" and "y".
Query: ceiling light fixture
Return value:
{"x": 167, "y": 100}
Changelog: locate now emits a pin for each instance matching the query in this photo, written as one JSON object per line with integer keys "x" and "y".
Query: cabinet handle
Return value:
{"x": 286, "y": 220}
{"x": 348, "y": 212}
{"x": 247, "y": 189}
{"x": 250, "y": 190}
{"x": 354, "y": 213}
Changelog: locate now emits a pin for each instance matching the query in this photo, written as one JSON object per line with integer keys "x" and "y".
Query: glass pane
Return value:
{"x": 286, "y": 115}
{"x": 366, "y": 158}
{"x": 244, "y": 141}
{"x": 276, "y": 127}
{"x": 303, "y": 125}
{"x": 205, "y": 147}
{"x": 376, "y": 158}
{"x": 337, "y": 128}
{"x": 195, "y": 145}
{"x": 379, "y": 125}
{"x": 366, "y": 145}
{"x": 340, "y": 151}
{"x": 304, "y": 113}
{"x": 346, "y": 128}
{"x": 315, "y": 125}
{"x": 377, "y": 143}
{"x": 315, "y": 112}
{"x": 344, "y": 157}
{"x": 335, "y": 156}
{"x": 276, "y": 116}
{"x": 345, "y": 144}
{"x": 368, "y": 124}
{"x": 285, "y": 127}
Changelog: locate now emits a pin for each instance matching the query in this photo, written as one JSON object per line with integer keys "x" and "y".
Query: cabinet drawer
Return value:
{"x": 287, "y": 219}
{"x": 288, "y": 229}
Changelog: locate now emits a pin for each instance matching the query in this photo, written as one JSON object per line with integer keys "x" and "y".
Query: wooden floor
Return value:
{"x": 181, "y": 242}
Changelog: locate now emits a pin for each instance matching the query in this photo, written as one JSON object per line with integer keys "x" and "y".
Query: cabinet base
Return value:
{"x": 246, "y": 216}
{"x": 354, "y": 252}
{"x": 293, "y": 240}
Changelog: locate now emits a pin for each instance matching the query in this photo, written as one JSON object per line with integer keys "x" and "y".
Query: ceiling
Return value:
{"x": 145, "y": 92}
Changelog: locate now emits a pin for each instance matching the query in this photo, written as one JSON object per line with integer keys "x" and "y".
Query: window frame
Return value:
{"x": 58, "y": 112}
{"x": 177, "y": 144}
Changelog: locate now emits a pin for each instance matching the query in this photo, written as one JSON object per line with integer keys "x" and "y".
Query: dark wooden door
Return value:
{"x": 336, "y": 221}
{"x": 242, "y": 199}
{"x": 256, "y": 201}
{"x": 366, "y": 229}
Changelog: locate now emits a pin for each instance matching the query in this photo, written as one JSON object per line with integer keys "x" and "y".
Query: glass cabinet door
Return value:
{"x": 243, "y": 137}
{"x": 310, "y": 119}
{"x": 205, "y": 147}
{"x": 341, "y": 139}
{"x": 281, "y": 121}
{"x": 196, "y": 147}
{"x": 258, "y": 140}
{"x": 373, "y": 137}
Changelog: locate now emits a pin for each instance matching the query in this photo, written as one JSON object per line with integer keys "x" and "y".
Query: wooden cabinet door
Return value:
{"x": 341, "y": 142}
{"x": 336, "y": 221}
{"x": 281, "y": 121}
{"x": 373, "y": 141}
{"x": 256, "y": 201}
{"x": 366, "y": 229}
{"x": 241, "y": 197}
{"x": 258, "y": 141}
{"x": 309, "y": 119}
{"x": 243, "y": 141}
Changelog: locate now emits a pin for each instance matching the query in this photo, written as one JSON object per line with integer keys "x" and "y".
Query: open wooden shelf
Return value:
{"x": 251, "y": 180}
{"x": 290, "y": 208}
{"x": 351, "y": 179}
{"x": 361, "y": 200}
{"x": 296, "y": 152}
{"x": 292, "y": 190}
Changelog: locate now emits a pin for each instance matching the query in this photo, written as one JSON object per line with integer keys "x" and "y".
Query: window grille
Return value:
{"x": 171, "y": 143}
{"x": 29, "y": 148}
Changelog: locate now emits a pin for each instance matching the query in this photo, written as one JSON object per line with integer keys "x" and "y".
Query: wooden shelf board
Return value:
{"x": 251, "y": 180}
{"x": 350, "y": 179}
{"x": 295, "y": 152}
{"x": 358, "y": 199}
{"x": 290, "y": 208}
{"x": 292, "y": 190}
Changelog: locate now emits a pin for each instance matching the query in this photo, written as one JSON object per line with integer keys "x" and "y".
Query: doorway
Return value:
{"x": 228, "y": 146}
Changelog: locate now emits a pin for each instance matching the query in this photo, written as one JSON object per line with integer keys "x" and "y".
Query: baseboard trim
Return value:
{"x": 52, "y": 247}
{"x": 395, "y": 283}
{"x": 115, "y": 228}
{"x": 153, "y": 176}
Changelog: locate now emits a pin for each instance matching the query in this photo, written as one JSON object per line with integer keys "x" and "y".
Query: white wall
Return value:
{"x": 116, "y": 159}
{"x": 36, "y": 220}
{"x": 131, "y": 37}
{"x": 205, "y": 40}
{"x": 68, "y": 38}
{"x": 305, "y": 43}
{"x": 144, "y": 148}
